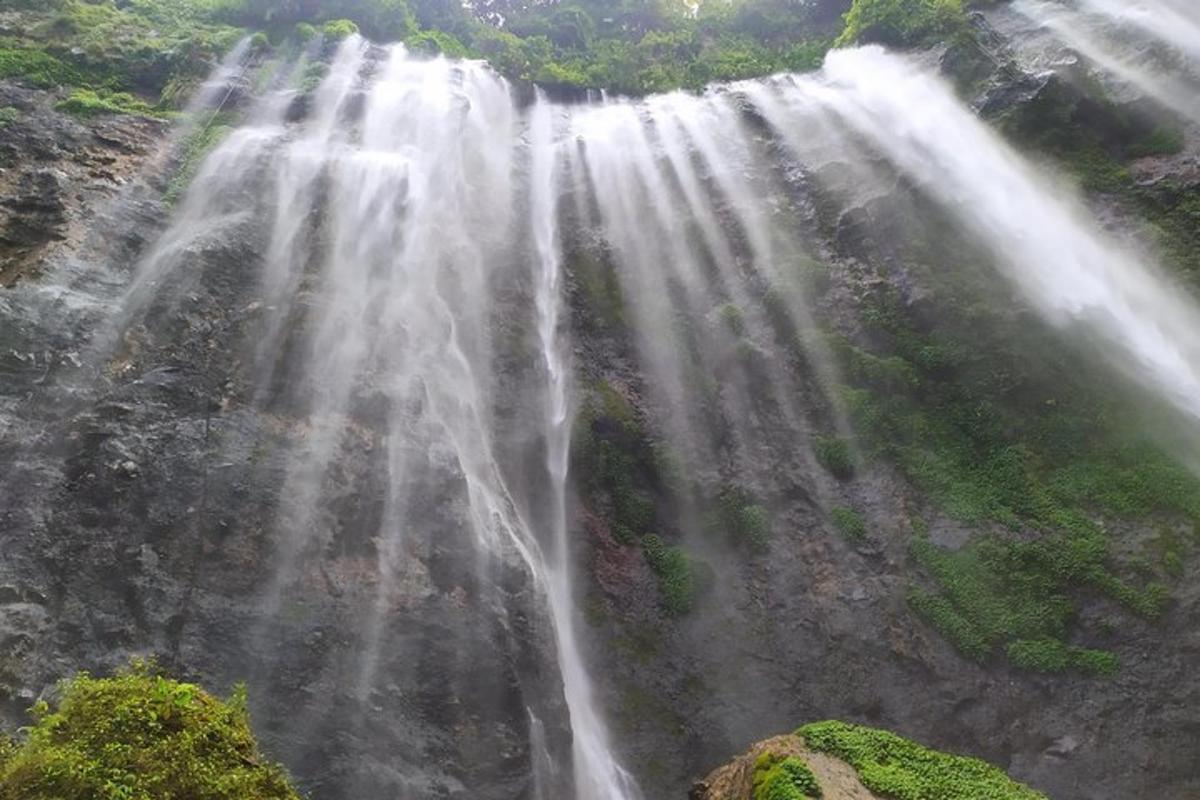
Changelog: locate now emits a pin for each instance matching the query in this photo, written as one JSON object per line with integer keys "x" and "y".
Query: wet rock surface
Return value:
{"x": 55, "y": 173}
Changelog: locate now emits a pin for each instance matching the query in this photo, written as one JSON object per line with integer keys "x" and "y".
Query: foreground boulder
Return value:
{"x": 839, "y": 761}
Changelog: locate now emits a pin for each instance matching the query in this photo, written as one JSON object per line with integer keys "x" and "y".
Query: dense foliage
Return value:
{"x": 901, "y": 22}
{"x": 157, "y": 48}
{"x": 898, "y": 768}
{"x": 139, "y": 736}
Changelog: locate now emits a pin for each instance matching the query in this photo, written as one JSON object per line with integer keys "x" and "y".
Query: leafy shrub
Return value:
{"x": 783, "y": 779}
{"x": 849, "y": 523}
{"x": 900, "y": 23}
{"x": 140, "y": 735}
{"x": 834, "y": 454}
{"x": 898, "y": 768}
{"x": 435, "y": 43}
{"x": 337, "y": 29}
{"x": 676, "y": 581}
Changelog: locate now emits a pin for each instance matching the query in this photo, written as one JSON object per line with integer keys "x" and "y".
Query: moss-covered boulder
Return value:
{"x": 836, "y": 760}
{"x": 136, "y": 736}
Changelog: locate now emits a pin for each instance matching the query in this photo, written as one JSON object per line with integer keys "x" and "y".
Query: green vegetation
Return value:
{"x": 139, "y": 735}
{"x": 9, "y": 115}
{"x": 834, "y": 454}
{"x": 202, "y": 141}
{"x": 1051, "y": 655}
{"x": 618, "y": 461}
{"x": 88, "y": 103}
{"x": 145, "y": 46}
{"x": 898, "y": 768}
{"x": 35, "y": 67}
{"x": 1039, "y": 453}
{"x": 738, "y": 514}
{"x": 625, "y": 46}
{"x": 901, "y": 23}
{"x": 849, "y": 524}
{"x": 1162, "y": 140}
{"x": 676, "y": 580}
{"x": 783, "y": 779}
{"x": 337, "y": 29}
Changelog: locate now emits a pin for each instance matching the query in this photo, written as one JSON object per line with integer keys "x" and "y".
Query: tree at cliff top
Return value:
{"x": 136, "y": 736}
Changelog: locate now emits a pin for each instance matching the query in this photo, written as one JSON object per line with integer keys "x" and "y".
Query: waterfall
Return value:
{"x": 1100, "y": 31}
{"x": 1066, "y": 267}
{"x": 598, "y": 776}
{"x": 377, "y": 229}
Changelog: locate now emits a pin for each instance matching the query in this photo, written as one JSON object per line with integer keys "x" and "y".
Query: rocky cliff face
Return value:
{"x": 138, "y": 500}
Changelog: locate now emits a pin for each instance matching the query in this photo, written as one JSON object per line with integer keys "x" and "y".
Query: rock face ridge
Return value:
{"x": 136, "y": 504}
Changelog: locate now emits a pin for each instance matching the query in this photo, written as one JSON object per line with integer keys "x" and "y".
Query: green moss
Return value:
{"x": 140, "y": 735}
{"x": 1162, "y": 140}
{"x": 619, "y": 464}
{"x": 902, "y": 769}
{"x": 1046, "y": 654}
{"x": 9, "y": 115}
{"x": 36, "y": 67}
{"x": 599, "y": 289}
{"x": 996, "y": 437}
{"x": 88, "y": 103}
{"x": 676, "y": 579}
{"x": 733, "y": 318}
{"x": 202, "y": 141}
{"x": 834, "y": 454}
{"x": 737, "y": 514}
{"x": 786, "y": 778}
{"x": 849, "y": 523}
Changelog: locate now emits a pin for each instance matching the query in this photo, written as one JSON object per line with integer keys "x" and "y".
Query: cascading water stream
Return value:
{"x": 1176, "y": 22}
{"x": 1099, "y": 31}
{"x": 1067, "y": 268}
{"x": 598, "y": 776}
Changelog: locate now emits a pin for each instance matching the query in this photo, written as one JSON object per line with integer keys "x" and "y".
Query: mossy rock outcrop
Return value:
{"x": 840, "y": 761}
